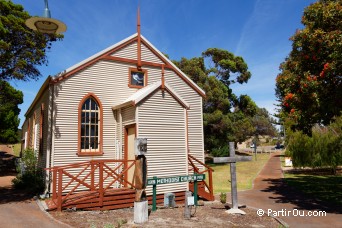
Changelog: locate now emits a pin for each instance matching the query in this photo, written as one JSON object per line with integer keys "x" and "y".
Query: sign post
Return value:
{"x": 154, "y": 198}
{"x": 195, "y": 192}
{"x": 174, "y": 179}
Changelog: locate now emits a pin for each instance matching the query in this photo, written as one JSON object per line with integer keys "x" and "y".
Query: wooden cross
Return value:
{"x": 232, "y": 159}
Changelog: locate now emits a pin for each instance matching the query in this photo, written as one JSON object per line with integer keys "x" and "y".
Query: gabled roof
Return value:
{"x": 106, "y": 55}
{"x": 141, "y": 94}
{"x": 42, "y": 89}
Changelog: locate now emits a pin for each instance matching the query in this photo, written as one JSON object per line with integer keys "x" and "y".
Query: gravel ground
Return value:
{"x": 209, "y": 215}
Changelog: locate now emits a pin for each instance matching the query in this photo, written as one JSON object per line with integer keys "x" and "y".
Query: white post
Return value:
{"x": 140, "y": 212}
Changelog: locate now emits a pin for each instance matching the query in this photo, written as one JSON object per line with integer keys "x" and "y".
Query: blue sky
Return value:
{"x": 257, "y": 30}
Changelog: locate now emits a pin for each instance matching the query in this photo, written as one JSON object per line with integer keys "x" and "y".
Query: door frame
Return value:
{"x": 126, "y": 127}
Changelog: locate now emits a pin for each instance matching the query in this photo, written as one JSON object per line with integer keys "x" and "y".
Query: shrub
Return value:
{"x": 322, "y": 149}
{"x": 220, "y": 152}
{"x": 29, "y": 177}
{"x": 223, "y": 197}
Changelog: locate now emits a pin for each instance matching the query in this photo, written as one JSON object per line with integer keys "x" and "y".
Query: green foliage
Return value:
{"x": 221, "y": 152}
{"x": 228, "y": 65}
{"x": 121, "y": 222}
{"x": 309, "y": 86}
{"x": 226, "y": 117}
{"x": 223, "y": 197}
{"x": 10, "y": 98}
{"x": 21, "y": 49}
{"x": 30, "y": 177}
{"x": 263, "y": 123}
{"x": 322, "y": 149}
{"x": 247, "y": 105}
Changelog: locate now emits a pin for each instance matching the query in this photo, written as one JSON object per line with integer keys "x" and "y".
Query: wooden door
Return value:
{"x": 129, "y": 150}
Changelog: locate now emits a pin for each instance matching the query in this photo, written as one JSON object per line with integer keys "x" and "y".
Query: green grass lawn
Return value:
{"x": 246, "y": 173}
{"x": 327, "y": 188}
{"x": 16, "y": 149}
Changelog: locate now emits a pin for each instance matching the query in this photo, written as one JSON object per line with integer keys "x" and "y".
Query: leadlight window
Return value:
{"x": 137, "y": 78}
{"x": 90, "y": 126}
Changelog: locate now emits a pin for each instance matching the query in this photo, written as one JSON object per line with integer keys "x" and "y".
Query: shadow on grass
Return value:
{"x": 308, "y": 192}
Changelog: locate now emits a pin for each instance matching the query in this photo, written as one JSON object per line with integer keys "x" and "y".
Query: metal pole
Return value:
{"x": 46, "y": 13}
{"x": 195, "y": 192}
{"x": 154, "y": 198}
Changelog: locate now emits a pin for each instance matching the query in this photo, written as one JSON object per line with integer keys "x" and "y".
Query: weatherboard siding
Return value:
{"x": 195, "y": 119}
{"x": 109, "y": 82}
{"x": 129, "y": 51}
{"x": 128, "y": 115}
{"x": 45, "y": 130}
{"x": 148, "y": 56}
{"x": 34, "y": 138}
{"x": 161, "y": 120}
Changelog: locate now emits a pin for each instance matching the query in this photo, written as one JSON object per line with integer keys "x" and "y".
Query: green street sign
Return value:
{"x": 175, "y": 179}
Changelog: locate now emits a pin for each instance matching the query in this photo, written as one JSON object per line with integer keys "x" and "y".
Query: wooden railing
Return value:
{"x": 193, "y": 167}
{"x": 94, "y": 176}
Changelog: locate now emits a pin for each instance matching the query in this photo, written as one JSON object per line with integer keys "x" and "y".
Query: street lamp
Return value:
{"x": 46, "y": 24}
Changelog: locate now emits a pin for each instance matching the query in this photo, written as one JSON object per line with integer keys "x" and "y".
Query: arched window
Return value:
{"x": 90, "y": 126}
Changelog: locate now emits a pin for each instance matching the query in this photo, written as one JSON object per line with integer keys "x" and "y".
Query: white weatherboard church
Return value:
{"x": 96, "y": 108}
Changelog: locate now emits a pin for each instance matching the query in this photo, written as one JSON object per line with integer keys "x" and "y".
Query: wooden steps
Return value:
{"x": 201, "y": 191}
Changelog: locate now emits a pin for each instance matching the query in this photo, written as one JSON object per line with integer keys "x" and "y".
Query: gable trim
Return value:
{"x": 105, "y": 54}
{"x": 141, "y": 94}
{"x": 133, "y": 61}
{"x": 93, "y": 59}
{"x": 172, "y": 66}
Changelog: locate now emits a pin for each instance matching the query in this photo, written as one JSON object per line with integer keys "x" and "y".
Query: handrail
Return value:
{"x": 95, "y": 176}
{"x": 87, "y": 162}
{"x": 207, "y": 169}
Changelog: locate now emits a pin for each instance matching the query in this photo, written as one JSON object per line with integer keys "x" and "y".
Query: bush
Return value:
{"x": 322, "y": 149}
{"x": 29, "y": 177}
{"x": 223, "y": 197}
{"x": 220, "y": 152}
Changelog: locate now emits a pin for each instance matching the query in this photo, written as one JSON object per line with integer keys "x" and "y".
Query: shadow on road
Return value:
{"x": 10, "y": 195}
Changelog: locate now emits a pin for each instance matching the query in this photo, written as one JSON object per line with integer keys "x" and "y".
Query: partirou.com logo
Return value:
{"x": 294, "y": 212}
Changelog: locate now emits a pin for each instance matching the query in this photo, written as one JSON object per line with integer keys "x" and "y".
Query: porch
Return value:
{"x": 104, "y": 185}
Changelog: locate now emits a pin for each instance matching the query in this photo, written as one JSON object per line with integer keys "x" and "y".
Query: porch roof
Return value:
{"x": 141, "y": 94}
